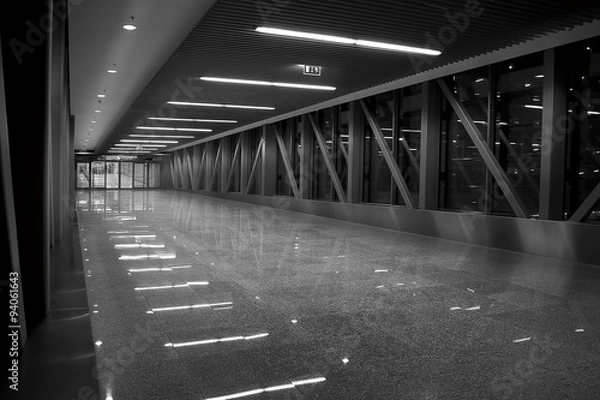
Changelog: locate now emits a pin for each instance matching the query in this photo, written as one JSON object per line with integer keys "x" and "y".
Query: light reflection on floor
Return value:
{"x": 198, "y": 298}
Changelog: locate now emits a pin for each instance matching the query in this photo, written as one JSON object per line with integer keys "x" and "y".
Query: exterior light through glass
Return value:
{"x": 344, "y": 40}
{"x": 266, "y": 83}
{"x": 129, "y": 27}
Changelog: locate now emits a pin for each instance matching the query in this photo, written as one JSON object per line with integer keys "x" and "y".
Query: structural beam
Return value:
{"x": 389, "y": 158}
{"x": 245, "y": 154}
{"x": 269, "y": 164}
{"x": 254, "y": 169}
{"x": 215, "y": 169}
{"x": 553, "y": 150}
{"x": 356, "y": 140}
{"x": 189, "y": 165}
{"x": 586, "y": 208}
{"x": 486, "y": 153}
{"x": 286, "y": 162}
{"x": 335, "y": 179}
{"x": 306, "y": 158}
{"x": 430, "y": 147}
{"x": 236, "y": 154}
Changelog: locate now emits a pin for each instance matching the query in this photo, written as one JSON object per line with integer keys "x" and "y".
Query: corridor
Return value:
{"x": 194, "y": 297}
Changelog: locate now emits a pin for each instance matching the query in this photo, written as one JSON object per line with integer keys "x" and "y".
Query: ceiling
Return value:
{"x": 222, "y": 42}
{"x": 98, "y": 42}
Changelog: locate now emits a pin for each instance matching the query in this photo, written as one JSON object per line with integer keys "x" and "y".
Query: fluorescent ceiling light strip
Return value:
{"x": 149, "y": 141}
{"x": 305, "y": 35}
{"x": 266, "y": 83}
{"x": 308, "y": 381}
{"x": 215, "y": 121}
{"x": 171, "y": 129}
{"x": 533, "y": 106}
{"x": 345, "y": 40}
{"x": 187, "y": 103}
{"x": 140, "y": 135}
{"x": 397, "y": 47}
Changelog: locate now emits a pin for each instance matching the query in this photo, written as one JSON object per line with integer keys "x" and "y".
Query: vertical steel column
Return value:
{"x": 356, "y": 142}
{"x": 225, "y": 163}
{"x": 269, "y": 164}
{"x": 430, "y": 146}
{"x": 491, "y": 137}
{"x": 306, "y": 158}
{"x": 552, "y": 168}
{"x": 245, "y": 160}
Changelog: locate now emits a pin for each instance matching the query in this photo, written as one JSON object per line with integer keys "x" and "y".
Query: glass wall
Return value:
{"x": 98, "y": 174}
{"x": 407, "y": 139}
{"x": 518, "y": 130}
{"x": 377, "y": 183}
{"x": 503, "y": 107}
{"x": 83, "y": 175}
{"x": 322, "y": 186}
{"x": 139, "y": 176}
{"x": 112, "y": 175}
{"x": 118, "y": 175}
{"x": 235, "y": 164}
{"x": 127, "y": 175}
{"x": 583, "y": 127}
{"x": 255, "y": 178}
{"x": 290, "y": 134}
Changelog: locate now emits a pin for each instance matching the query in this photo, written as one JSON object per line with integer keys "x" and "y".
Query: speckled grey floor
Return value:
{"x": 301, "y": 307}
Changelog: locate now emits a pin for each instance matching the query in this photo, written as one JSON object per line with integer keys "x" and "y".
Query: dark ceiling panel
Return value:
{"x": 225, "y": 44}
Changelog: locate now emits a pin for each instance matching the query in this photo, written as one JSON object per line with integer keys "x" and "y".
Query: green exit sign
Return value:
{"x": 312, "y": 70}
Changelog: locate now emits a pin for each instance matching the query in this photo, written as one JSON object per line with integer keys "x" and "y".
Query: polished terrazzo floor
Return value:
{"x": 199, "y": 298}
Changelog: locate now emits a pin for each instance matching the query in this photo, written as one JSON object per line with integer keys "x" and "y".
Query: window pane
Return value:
{"x": 322, "y": 186}
{"x": 154, "y": 175}
{"x": 377, "y": 187}
{"x": 126, "y": 175}
{"x": 288, "y": 134}
{"x": 518, "y": 130}
{"x": 112, "y": 175}
{"x": 408, "y": 140}
{"x": 98, "y": 174}
{"x": 235, "y": 164}
{"x": 139, "y": 180}
{"x": 83, "y": 175}
{"x": 583, "y": 133}
{"x": 255, "y": 178}
{"x": 341, "y": 135}
{"x": 463, "y": 183}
